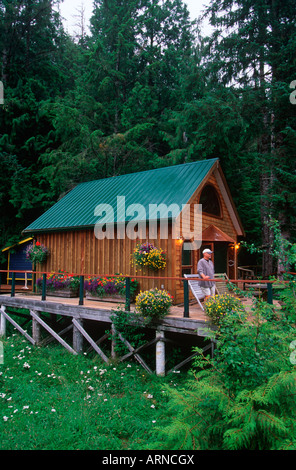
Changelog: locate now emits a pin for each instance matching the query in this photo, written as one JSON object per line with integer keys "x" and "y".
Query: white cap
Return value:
{"x": 207, "y": 251}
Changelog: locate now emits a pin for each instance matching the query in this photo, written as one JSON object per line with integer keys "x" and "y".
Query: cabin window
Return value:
{"x": 187, "y": 261}
{"x": 210, "y": 201}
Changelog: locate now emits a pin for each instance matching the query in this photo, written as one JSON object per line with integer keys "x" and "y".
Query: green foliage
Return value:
{"x": 218, "y": 306}
{"x": 128, "y": 325}
{"x": 287, "y": 296}
{"x": 243, "y": 397}
{"x": 282, "y": 250}
{"x": 145, "y": 90}
{"x": 52, "y": 400}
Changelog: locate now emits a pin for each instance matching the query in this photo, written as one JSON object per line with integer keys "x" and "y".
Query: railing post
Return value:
{"x": 12, "y": 284}
{"x": 43, "y": 296}
{"x": 127, "y": 294}
{"x": 186, "y": 299}
{"x": 269, "y": 293}
{"x": 81, "y": 290}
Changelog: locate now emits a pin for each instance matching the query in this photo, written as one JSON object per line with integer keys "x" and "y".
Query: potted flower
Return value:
{"x": 37, "y": 253}
{"x": 60, "y": 284}
{"x": 109, "y": 288}
{"x": 219, "y": 306}
{"x": 153, "y": 304}
{"x": 147, "y": 255}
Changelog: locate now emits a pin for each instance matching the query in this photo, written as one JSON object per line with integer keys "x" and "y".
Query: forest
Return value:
{"x": 144, "y": 89}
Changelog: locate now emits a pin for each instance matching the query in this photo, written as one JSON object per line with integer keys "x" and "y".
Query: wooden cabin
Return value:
{"x": 73, "y": 228}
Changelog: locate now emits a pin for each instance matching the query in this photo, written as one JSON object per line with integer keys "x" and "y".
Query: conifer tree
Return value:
{"x": 251, "y": 48}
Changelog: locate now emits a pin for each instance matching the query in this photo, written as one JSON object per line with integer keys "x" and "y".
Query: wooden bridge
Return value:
{"x": 42, "y": 311}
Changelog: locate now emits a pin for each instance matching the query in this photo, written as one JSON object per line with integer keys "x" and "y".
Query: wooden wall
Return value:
{"x": 80, "y": 252}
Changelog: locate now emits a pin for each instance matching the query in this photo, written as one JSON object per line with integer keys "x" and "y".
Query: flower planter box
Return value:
{"x": 68, "y": 293}
{"x": 106, "y": 298}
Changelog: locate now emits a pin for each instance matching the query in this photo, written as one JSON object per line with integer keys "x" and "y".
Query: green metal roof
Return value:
{"x": 168, "y": 185}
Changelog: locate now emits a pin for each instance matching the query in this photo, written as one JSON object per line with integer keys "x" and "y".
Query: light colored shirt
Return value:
{"x": 207, "y": 268}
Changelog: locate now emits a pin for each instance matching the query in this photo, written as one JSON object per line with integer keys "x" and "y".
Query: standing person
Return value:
{"x": 205, "y": 269}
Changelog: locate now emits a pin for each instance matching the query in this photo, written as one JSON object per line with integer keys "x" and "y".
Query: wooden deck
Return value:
{"x": 101, "y": 311}
{"x": 195, "y": 327}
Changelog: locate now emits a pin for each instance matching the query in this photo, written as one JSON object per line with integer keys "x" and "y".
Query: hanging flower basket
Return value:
{"x": 111, "y": 289}
{"x": 147, "y": 255}
{"x": 61, "y": 284}
{"x": 37, "y": 253}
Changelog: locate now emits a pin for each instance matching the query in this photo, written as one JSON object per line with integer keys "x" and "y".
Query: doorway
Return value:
{"x": 219, "y": 256}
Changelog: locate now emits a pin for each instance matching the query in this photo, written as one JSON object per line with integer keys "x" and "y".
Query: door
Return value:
{"x": 220, "y": 257}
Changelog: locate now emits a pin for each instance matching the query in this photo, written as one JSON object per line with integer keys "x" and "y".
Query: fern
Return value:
{"x": 243, "y": 397}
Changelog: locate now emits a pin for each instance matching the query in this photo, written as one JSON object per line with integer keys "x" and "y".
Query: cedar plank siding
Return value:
{"x": 80, "y": 252}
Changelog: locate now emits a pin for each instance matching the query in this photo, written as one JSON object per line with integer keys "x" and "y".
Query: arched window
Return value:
{"x": 210, "y": 201}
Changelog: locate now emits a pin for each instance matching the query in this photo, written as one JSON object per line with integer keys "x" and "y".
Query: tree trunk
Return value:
{"x": 266, "y": 180}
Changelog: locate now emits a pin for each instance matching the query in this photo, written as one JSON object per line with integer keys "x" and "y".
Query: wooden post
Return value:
{"x": 269, "y": 293}
{"x": 36, "y": 327}
{"x": 186, "y": 299}
{"x": 34, "y": 279}
{"x": 12, "y": 284}
{"x": 43, "y": 287}
{"x": 81, "y": 290}
{"x": 160, "y": 353}
{"x": 113, "y": 342}
{"x": 77, "y": 337}
{"x": 127, "y": 294}
{"x": 2, "y": 322}
{"x": 78, "y": 326}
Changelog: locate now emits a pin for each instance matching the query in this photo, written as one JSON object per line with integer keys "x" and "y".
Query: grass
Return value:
{"x": 53, "y": 400}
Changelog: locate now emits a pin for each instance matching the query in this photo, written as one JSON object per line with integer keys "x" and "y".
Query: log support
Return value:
{"x": 77, "y": 336}
{"x": 2, "y": 321}
{"x": 36, "y": 327}
{"x": 160, "y": 353}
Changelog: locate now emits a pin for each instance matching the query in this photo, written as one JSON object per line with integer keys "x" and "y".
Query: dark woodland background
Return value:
{"x": 143, "y": 90}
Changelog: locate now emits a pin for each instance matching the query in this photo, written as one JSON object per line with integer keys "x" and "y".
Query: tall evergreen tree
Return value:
{"x": 33, "y": 70}
{"x": 252, "y": 48}
{"x": 241, "y": 112}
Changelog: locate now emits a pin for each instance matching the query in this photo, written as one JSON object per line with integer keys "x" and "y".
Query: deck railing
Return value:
{"x": 263, "y": 284}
